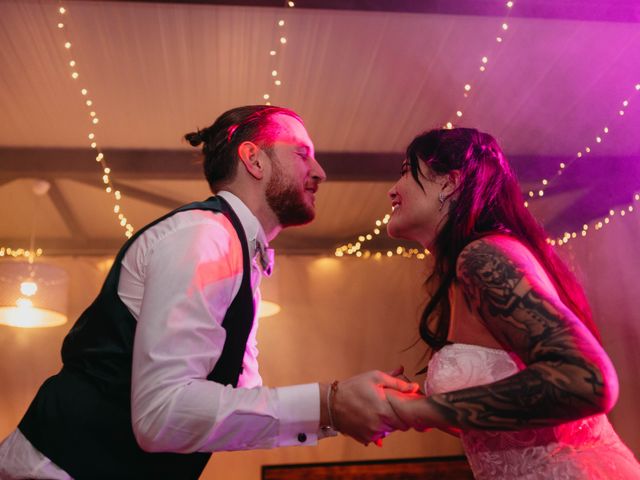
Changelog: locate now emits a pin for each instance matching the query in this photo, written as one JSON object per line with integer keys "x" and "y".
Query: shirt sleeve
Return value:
{"x": 191, "y": 273}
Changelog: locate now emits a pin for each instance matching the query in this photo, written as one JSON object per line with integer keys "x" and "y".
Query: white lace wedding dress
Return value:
{"x": 583, "y": 449}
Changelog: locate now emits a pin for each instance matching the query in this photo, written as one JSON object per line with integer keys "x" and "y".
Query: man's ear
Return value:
{"x": 249, "y": 154}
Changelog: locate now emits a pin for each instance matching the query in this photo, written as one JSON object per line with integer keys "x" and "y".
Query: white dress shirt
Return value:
{"x": 178, "y": 279}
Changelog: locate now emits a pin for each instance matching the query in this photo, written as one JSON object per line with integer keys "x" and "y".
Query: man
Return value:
{"x": 161, "y": 369}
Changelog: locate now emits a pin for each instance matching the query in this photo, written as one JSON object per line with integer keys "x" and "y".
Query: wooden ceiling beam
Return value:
{"x": 133, "y": 192}
{"x": 69, "y": 219}
{"x": 132, "y": 164}
{"x": 586, "y": 10}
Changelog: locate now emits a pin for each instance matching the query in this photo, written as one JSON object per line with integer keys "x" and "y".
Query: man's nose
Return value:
{"x": 318, "y": 172}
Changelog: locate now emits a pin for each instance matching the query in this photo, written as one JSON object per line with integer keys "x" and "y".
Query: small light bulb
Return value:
{"x": 482, "y": 69}
{"x": 91, "y": 136}
{"x": 291, "y": 4}
{"x": 272, "y": 53}
{"x": 274, "y": 73}
{"x": 62, "y": 10}
{"x": 74, "y": 75}
{"x": 505, "y": 26}
{"x": 278, "y": 82}
{"x": 283, "y": 40}
{"x": 266, "y": 96}
{"x": 499, "y": 39}
{"x": 95, "y": 121}
{"x": 107, "y": 170}
{"x": 459, "y": 113}
{"x": 625, "y": 103}
{"x": 67, "y": 45}
{"x": 485, "y": 59}
{"x": 449, "y": 125}
{"x": 72, "y": 63}
{"x": 281, "y": 23}
{"x": 467, "y": 87}
{"x": 83, "y": 91}
{"x": 61, "y": 25}
{"x": 94, "y": 144}
{"x": 28, "y": 288}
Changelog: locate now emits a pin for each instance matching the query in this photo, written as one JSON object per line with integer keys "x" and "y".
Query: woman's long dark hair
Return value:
{"x": 487, "y": 200}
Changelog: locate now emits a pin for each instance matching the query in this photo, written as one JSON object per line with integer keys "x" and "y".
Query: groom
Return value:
{"x": 161, "y": 370}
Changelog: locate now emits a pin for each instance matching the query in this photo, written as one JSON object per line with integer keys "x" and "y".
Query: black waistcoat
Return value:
{"x": 81, "y": 417}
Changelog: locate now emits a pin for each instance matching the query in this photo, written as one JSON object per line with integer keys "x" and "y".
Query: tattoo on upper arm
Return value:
{"x": 559, "y": 383}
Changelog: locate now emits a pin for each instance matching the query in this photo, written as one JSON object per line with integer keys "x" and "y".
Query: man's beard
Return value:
{"x": 286, "y": 200}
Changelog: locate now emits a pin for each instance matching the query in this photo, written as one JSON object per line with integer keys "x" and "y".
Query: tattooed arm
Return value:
{"x": 567, "y": 375}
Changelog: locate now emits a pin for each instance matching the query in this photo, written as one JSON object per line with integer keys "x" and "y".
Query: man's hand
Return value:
{"x": 360, "y": 408}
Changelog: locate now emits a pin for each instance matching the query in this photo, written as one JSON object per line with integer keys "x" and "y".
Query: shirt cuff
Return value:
{"x": 299, "y": 414}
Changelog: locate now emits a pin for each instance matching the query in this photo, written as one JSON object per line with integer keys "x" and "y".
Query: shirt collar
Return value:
{"x": 256, "y": 238}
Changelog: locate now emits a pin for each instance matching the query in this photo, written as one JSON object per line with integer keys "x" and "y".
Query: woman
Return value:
{"x": 517, "y": 366}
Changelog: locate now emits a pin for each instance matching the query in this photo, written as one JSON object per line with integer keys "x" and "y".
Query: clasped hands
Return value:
{"x": 361, "y": 405}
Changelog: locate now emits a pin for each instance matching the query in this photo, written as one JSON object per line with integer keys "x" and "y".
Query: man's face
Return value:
{"x": 295, "y": 173}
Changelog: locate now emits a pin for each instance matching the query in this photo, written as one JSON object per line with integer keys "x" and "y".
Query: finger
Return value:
{"x": 396, "y": 372}
{"x": 389, "y": 381}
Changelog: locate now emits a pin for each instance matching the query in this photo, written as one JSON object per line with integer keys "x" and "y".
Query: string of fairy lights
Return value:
{"x": 355, "y": 247}
{"x": 23, "y": 253}
{"x": 275, "y": 53}
{"x": 107, "y": 182}
{"x": 484, "y": 64}
{"x": 589, "y": 147}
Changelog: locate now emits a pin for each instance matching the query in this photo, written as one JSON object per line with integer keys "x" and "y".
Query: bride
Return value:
{"x": 517, "y": 368}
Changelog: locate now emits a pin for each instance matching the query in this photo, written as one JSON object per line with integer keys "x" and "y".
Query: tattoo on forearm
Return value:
{"x": 559, "y": 384}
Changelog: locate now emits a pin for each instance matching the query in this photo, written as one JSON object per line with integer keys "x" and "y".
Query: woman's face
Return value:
{"x": 417, "y": 213}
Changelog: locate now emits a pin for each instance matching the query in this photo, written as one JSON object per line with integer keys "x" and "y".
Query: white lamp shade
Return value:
{"x": 32, "y": 295}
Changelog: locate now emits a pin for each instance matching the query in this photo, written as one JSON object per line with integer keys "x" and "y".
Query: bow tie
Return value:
{"x": 265, "y": 257}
